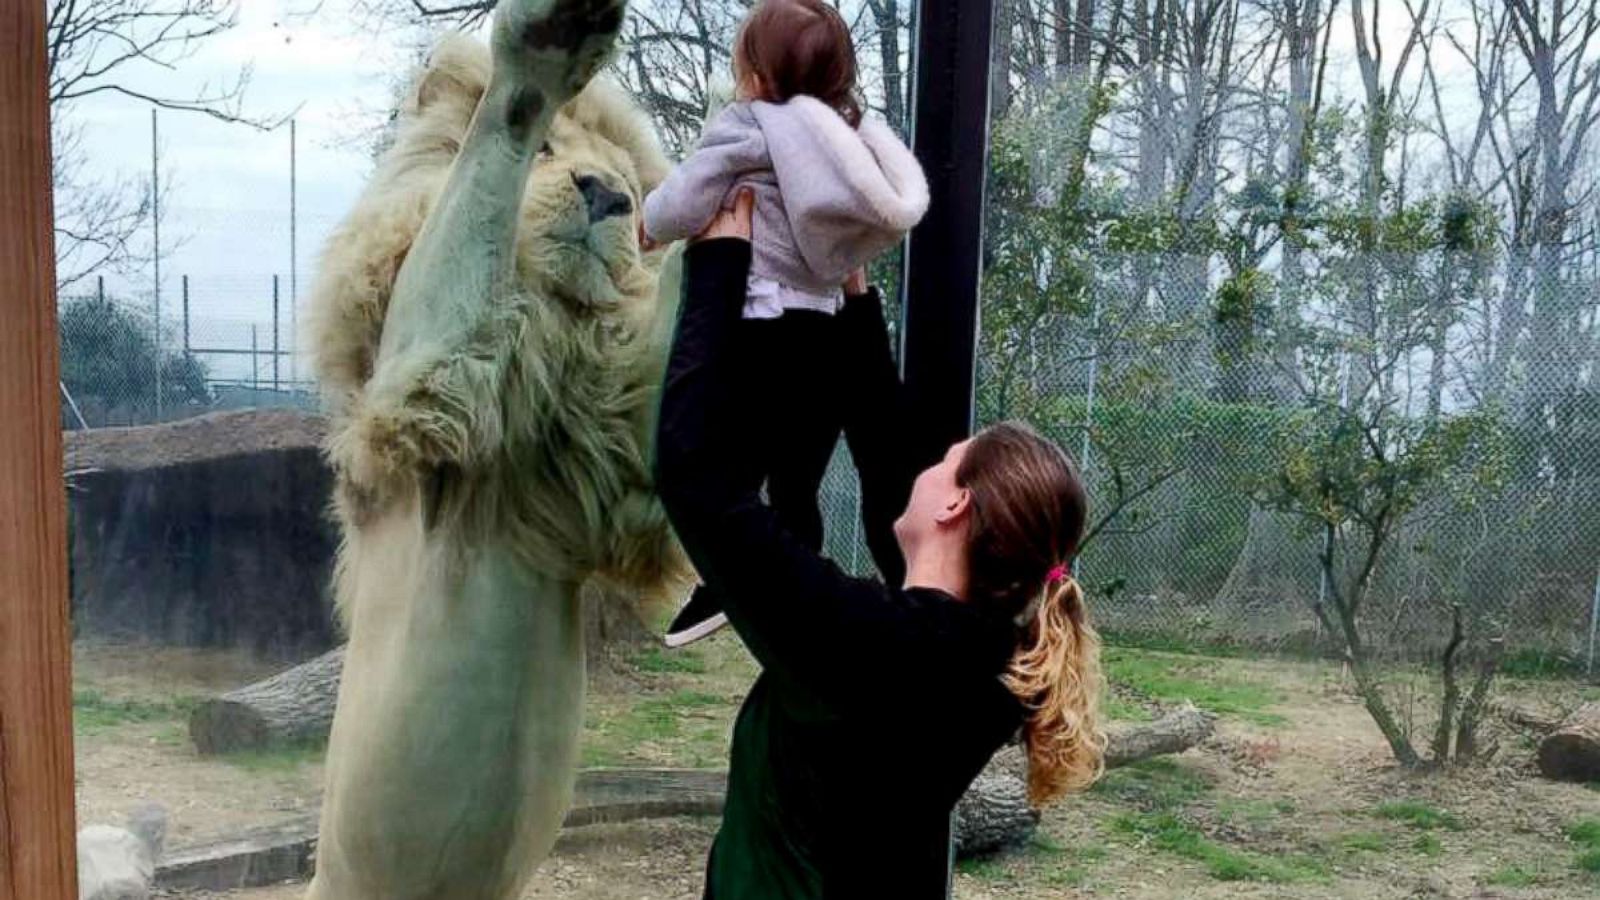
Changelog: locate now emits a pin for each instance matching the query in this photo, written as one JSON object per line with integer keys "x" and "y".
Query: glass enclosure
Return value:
{"x": 197, "y": 182}
{"x": 1309, "y": 291}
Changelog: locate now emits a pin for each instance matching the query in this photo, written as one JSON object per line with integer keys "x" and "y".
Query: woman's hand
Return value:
{"x": 856, "y": 284}
{"x": 731, "y": 223}
{"x": 647, "y": 244}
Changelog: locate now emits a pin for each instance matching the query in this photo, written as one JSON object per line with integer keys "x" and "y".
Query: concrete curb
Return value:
{"x": 287, "y": 851}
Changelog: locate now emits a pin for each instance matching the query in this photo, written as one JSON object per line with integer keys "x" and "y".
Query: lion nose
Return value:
{"x": 602, "y": 201}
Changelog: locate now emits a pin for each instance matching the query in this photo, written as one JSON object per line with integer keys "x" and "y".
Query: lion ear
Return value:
{"x": 456, "y": 73}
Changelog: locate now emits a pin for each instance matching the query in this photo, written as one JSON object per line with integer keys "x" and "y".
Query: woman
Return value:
{"x": 877, "y": 704}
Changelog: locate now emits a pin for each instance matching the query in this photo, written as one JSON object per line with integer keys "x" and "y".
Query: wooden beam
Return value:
{"x": 37, "y": 859}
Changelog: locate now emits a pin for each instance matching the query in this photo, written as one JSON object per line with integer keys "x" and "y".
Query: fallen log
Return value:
{"x": 296, "y": 705}
{"x": 1526, "y": 719}
{"x": 292, "y": 707}
{"x": 1572, "y": 751}
{"x": 1174, "y": 732}
{"x": 995, "y": 813}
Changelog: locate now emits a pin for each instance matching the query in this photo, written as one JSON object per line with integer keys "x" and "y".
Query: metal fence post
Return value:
{"x": 185, "y": 315}
{"x": 1088, "y": 408}
{"x": 1594, "y": 622}
{"x": 155, "y": 221}
{"x": 255, "y": 362}
{"x": 274, "y": 332}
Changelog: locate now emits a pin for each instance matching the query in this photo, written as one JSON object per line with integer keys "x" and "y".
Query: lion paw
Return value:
{"x": 556, "y": 45}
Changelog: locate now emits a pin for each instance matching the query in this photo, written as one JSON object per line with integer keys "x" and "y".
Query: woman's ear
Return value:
{"x": 955, "y": 509}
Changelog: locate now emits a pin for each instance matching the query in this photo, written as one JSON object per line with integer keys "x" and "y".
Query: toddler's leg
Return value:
{"x": 805, "y": 421}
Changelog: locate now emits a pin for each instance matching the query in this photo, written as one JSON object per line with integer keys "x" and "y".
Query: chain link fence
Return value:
{"x": 1180, "y": 442}
{"x": 1188, "y": 444}
{"x": 119, "y": 367}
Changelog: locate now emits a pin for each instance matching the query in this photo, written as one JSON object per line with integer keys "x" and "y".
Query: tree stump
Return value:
{"x": 1572, "y": 751}
{"x": 293, "y": 706}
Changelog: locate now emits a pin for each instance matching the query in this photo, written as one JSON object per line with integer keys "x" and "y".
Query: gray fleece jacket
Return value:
{"x": 829, "y": 198}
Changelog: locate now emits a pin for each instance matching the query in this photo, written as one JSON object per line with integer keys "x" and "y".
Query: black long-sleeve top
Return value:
{"x": 876, "y": 705}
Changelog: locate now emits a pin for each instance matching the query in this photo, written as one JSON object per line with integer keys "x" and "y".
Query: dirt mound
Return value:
{"x": 201, "y": 439}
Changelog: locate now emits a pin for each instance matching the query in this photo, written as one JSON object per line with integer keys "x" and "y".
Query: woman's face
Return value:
{"x": 937, "y": 502}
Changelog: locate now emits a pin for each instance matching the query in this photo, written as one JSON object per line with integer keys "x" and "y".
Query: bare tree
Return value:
{"x": 92, "y": 48}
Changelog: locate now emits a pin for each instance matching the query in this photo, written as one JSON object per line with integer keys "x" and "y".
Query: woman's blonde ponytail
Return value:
{"x": 1028, "y": 514}
{"x": 1056, "y": 674}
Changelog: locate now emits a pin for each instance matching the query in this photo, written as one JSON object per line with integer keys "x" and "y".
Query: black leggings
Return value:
{"x": 788, "y": 382}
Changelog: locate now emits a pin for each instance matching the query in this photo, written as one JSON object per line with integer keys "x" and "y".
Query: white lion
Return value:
{"x": 490, "y": 341}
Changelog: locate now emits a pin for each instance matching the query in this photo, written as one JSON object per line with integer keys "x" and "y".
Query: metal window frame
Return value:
{"x": 943, "y": 258}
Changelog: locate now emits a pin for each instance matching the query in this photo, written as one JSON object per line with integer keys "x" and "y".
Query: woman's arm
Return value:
{"x": 885, "y": 444}
{"x": 815, "y": 628}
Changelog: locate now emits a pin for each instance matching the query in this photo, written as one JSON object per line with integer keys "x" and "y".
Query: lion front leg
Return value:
{"x": 451, "y": 325}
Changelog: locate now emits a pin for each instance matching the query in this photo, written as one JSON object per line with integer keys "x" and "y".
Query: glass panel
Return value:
{"x": 193, "y": 206}
{"x": 1284, "y": 278}
{"x": 1195, "y": 255}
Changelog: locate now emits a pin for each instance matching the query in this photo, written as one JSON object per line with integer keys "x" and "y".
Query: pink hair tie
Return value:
{"x": 1056, "y": 574}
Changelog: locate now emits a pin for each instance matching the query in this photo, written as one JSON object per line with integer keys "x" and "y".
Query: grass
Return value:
{"x": 1060, "y": 866}
{"x": 1367, "y": 841}
{"x": 1154, "y": 784}
{"x": 1540, "y": 664}
{"x": 1586, "y": 834}
{"x": 1122, "y": 710}
{"x": 93, "y": 711}
{"x": 1165, "y": 679}
{"x": 1168, "y": 832}
{"x": 1254, "y": 813}
{"x": 1427, "y": 844}
{"x": 985, "y": 868}
{"x": 284, "y": 758}
{"x": 615, "y": 739}
{"x": 657, "y": 660}
{"x": 1511, "y": 876}
{"x": 1418, "y": 815}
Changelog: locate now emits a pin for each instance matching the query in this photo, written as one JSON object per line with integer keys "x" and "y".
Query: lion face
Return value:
{"x": 581, "y": 210}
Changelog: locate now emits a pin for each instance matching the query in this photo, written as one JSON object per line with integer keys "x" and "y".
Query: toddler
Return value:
{"x": 833, "y": 189}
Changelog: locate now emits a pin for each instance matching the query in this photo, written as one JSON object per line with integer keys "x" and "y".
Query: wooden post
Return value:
{"x": 36, "y": 813}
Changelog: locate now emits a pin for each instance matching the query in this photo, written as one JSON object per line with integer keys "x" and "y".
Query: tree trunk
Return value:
{"x": 294, "y": 706}
{"x": 1572, "y": 751}
{"x": 993, "y": 814}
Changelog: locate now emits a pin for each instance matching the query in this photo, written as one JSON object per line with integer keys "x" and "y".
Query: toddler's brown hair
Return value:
{"x": 791, "y": 47}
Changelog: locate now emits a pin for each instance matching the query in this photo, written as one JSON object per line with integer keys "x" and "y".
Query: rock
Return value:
{"x": 120, "y": 863}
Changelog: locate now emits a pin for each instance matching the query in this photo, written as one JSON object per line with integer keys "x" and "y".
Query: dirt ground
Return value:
{"x": 1295, "y": 797}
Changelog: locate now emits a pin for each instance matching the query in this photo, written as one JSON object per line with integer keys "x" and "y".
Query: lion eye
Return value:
{"x": 544, "y": 149}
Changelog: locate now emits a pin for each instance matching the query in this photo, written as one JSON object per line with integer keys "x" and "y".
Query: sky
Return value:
{"x": 226, "y": 222}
